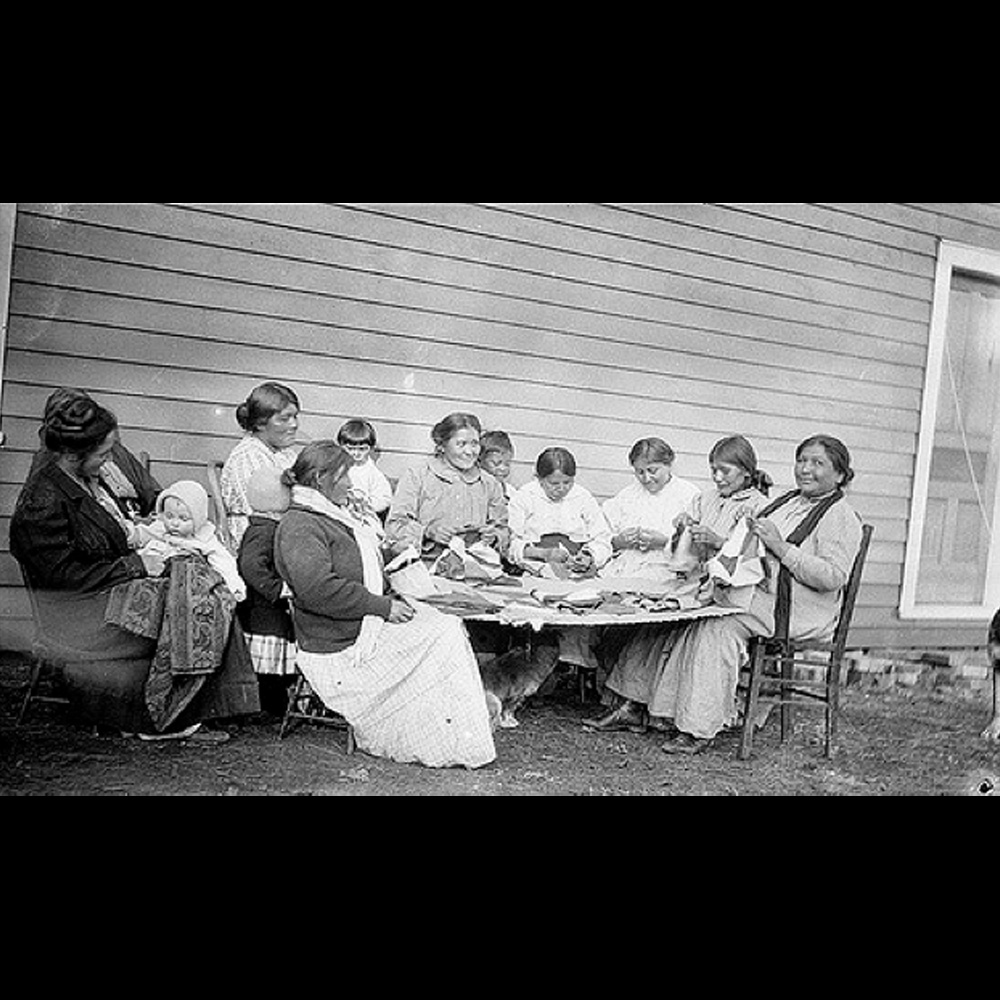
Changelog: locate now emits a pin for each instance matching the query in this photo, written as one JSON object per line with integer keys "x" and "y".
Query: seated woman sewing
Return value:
{"x": 448, "y": 495}
{"x": 811, "y": 536}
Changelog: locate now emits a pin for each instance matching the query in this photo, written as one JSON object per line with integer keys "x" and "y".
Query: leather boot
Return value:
{"x": 629, "y": 716}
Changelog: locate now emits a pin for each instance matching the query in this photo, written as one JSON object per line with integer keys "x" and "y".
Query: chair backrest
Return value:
{"x": 41, "y": 643}
{"x": 213, "y": 472}
{"x": 851, "y": 591}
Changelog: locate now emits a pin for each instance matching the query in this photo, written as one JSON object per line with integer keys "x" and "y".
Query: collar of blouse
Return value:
{"x": 446, "y": 471}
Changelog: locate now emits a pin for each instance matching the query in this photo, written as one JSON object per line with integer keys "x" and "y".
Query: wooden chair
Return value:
{"x": 44, "y": 661}
{"x": 305, "y": 705}
{"x": 776, "y": 663}
{"x": 213, "y": 471}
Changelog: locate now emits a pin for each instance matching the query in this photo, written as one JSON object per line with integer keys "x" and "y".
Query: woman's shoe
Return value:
{"x": 629, "y": 716}
{"x": 686, "y": 743}
{"x": 209, "y": 736}
{"x": 665, "y": 726}
{"x": 181, "y": 734}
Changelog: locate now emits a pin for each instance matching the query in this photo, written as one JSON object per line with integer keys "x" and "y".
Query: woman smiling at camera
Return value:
{"x": 811, "y": 536}
{"x": 448, "y": 495}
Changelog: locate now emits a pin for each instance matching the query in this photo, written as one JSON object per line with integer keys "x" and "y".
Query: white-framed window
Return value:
{"x": 8, "y": 211}
{"x": 952, "y": 567}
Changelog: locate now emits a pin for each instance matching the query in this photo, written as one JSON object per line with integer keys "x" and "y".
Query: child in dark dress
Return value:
{"x": 264, "y": 614}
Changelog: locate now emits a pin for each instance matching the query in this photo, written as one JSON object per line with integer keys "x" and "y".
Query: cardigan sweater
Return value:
{"x": 265, "y": 611}
{"x": 320, "y": 561}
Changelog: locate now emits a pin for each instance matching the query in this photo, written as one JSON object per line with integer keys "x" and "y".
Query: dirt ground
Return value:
{"x": 898, "y": 742}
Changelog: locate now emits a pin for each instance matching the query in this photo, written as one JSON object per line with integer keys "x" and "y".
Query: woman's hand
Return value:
{"x": 649, "y": 539}
{"x": 439, "y": 534}
{"x": 766, "y": 531}
{"x": 153, "y": 562}
{"x": 400, "y": 612}
{"x": 556, "y": 554}
{"x": 704, "y": 536}
{"x": 627, "y": 539}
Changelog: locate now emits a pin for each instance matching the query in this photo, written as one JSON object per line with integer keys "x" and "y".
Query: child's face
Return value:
{"x": 497, "y": 463}
{"x": 359, "y": 452}
{"x": 462, "y": 449}
{"x": 728, "y": 478}
{"x": 177, "y": 519}
{"x": 556, "y": 485}
{"x": 652, "y": 474}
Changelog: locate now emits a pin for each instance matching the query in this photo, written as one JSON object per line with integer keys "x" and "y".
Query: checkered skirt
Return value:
{"x": 413, "y": 694}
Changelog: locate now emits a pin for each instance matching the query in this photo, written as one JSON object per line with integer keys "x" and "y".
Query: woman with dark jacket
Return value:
{"x": 125, "y": 478}
{"x": 70, "y": 538}
{"x": 403, "y": 675}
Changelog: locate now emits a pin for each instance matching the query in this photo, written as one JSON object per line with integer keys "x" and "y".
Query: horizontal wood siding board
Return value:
{"x": 343, "y": 265}
{"x": 705, "y": 228}
{"x": 405, "y": 421}
{"x": 252, "y": 314}
{"x": 832, "y": 220}
{"x": 713, "y": 260}
{"x": 797, "y": 248}
{"x": 681, "y": 377}
{"x": 659, "y": 399}
{"x": 982, "y": 215}
{"x": 405, "y": 429}
{"x": 572, "y": 248}
{"x": 795, "y": 226}
{"x": 661, "y": 347}
{"x": 902, "y": 637}
{"x": 974, "y": 225}
{"x": 680, "y": 327}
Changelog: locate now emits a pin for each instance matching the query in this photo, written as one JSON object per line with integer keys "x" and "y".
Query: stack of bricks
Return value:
{"x": 966, "y": 672}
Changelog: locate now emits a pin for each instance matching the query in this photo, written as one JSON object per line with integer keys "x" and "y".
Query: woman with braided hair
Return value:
{"x": 811, "y": 536}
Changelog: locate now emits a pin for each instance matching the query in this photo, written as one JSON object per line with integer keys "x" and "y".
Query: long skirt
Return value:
{"x": 689, "y": 674}
{"x": 112, "y": 691}
{"x": 411, "y": 691}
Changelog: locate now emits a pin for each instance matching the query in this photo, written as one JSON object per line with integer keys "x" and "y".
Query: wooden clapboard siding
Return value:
{"x": 585, "y": 325}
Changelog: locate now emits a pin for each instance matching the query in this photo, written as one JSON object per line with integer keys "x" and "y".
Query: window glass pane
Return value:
{"x": 963, "y": 468}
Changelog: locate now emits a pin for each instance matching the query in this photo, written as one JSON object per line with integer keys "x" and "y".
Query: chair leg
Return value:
{"x": 36, "y": 673}
{"x": 750, "y": 711}
{"x": 832, "y": 707}
{"x": 786, "y": 715}
{"x": 293, "y": 700}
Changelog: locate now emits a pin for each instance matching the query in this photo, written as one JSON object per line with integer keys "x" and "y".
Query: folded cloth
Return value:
{"x": 190, "y": 614}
